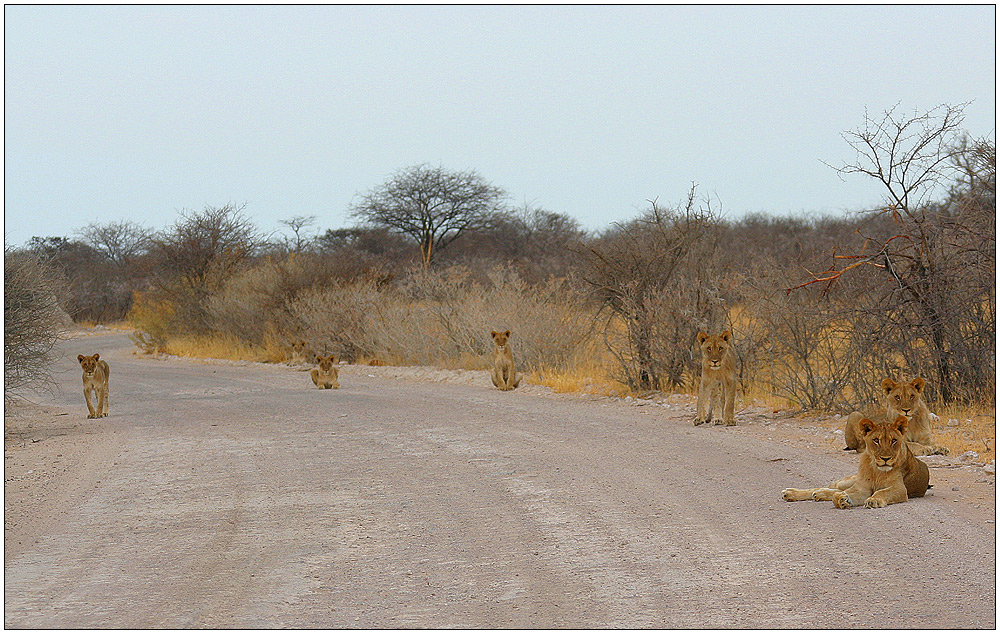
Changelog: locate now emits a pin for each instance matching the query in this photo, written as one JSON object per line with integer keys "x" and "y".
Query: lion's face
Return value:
{"x": 904, "y": 397}
{"x": 885, "y": 442}
{"x": 298, "y": 346}
{"x": 500, "y": 338}
{"x": 713, "y": 348}
{"x": 326, "y": 363}
{"x": 89, "y": 364}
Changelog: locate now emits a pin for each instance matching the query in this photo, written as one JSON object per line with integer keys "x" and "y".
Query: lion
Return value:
{"x": 718, "y": 377}
{"x": 95, "y": 380}
{"x": 325, "y": 376}
{"x": 889, "y": 473}
{"x": 299, "y": 351}
{"x": 902, "y": 399}
{"x": 503, "y": 374}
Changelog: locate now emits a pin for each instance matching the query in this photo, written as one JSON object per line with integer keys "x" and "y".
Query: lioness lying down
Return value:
{"x": 888, "y": 474}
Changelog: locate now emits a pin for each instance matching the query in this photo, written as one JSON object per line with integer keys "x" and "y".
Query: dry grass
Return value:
{"x": 214, "y": 347}
{"x": 586, "y": 373}
{"x": 967, "y": 429}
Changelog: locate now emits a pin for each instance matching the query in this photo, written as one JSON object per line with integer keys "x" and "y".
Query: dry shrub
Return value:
{"x": 548, "y": 321}
{"x": 152, "y": 317}
{"x": 33, "y": 320}
{"x": 340, "y": 319}
{"x": 444, "y": 317}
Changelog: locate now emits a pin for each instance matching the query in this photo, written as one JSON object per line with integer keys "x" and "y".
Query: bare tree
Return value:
{"x": 195, "y": 258}
{"x": 431, "y": 205}
{"x": 933, "y": 263}
{"x": 120, "y": 241}
{"x": 641, "y": 273}
{"x": 298, "y": 224}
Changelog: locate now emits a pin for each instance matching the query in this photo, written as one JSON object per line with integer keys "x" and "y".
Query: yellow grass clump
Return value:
{"x": 214, "y": 347}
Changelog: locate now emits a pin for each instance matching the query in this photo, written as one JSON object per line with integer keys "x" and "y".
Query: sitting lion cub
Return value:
{"x": 504, "y": 376}
{"x": 298, "y": 355}
{"x": 902, "y": 399}
{"x": 718, "y": 378}
{"x": 95, "y": 379}
{"x": 325, "y": 376}
{"x": 888, "y": 474}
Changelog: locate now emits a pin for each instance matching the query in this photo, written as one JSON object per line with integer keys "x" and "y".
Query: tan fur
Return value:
{"x": 95, "y": 380}
{"x": 299, "y": 352}
{"x": 902, "y": 399}
{"x": 325, "y": 376}
{"x": 901, "y": 476}
{"x": 504, "y": 376}
{"x": 718, "y": 378}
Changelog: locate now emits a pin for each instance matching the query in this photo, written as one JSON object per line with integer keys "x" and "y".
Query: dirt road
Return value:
{"x": 226, "y": 496}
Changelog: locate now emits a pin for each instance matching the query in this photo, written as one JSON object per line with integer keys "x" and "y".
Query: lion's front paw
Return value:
{"x": 874, "y": 503}
{"x": 789, "y": 495}
{"x": 91, "y": 415}
{"x": 842, "y": 501}
{"x": 699, "y": 421}
{"x": 730, "y": 423}
{"x": 941, "y": 451}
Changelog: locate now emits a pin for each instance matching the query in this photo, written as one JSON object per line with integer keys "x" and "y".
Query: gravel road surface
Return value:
{"x": 239, "y": 496}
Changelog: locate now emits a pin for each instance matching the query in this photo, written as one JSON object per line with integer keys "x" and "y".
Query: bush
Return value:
{"x": 33, "y": 321}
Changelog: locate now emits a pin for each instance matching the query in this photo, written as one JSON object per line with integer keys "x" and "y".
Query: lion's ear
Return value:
{"x": 506, "y": 333}
{"x": 97, "y": 356}
{"x": 867, "y": 426}
{"x": 493, "y": 333}
{"x": 726, "y": 335}
{"x": 918, "y": 384}
{"x": 702, "y": 336}
{"x": 888, "y": 385}
{"x": 318, "y": 358}
{"x": 900, "y": 424}
{"x": 79, "y": 358}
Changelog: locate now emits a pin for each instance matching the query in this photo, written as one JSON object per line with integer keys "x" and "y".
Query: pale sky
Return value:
{"x": 141, "y": 112}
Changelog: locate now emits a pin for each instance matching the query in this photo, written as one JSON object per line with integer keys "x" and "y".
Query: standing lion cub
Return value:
{"x": 325, "y": 376}
{"x": 504, "y": 376}
{"x": 718, "y": 378}
{"x": 95, "y": 379}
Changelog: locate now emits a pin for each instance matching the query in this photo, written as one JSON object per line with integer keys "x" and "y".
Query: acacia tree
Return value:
{"x": 297, "y": 224}
{"x": 431, "y": 205}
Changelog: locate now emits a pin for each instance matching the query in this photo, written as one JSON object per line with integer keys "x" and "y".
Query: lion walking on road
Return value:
{"x": 95, "y": 383}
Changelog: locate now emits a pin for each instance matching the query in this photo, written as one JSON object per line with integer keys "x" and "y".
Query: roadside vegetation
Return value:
{"x": 821, "y": 308}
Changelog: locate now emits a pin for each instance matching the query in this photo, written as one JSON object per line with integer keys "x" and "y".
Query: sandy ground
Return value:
{"x": 236, "y": 495}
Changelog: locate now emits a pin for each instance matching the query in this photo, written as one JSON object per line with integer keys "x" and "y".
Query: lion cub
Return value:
{"x": 888, "y": 473}
{"x": 902, "y": 399}
{"x": 325, "y": 376}
{"x": 95, "y": 379}
{"x": 503, "y": 375}
{"x": 718, "y": 378}
{"x": 298, "y": 355}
